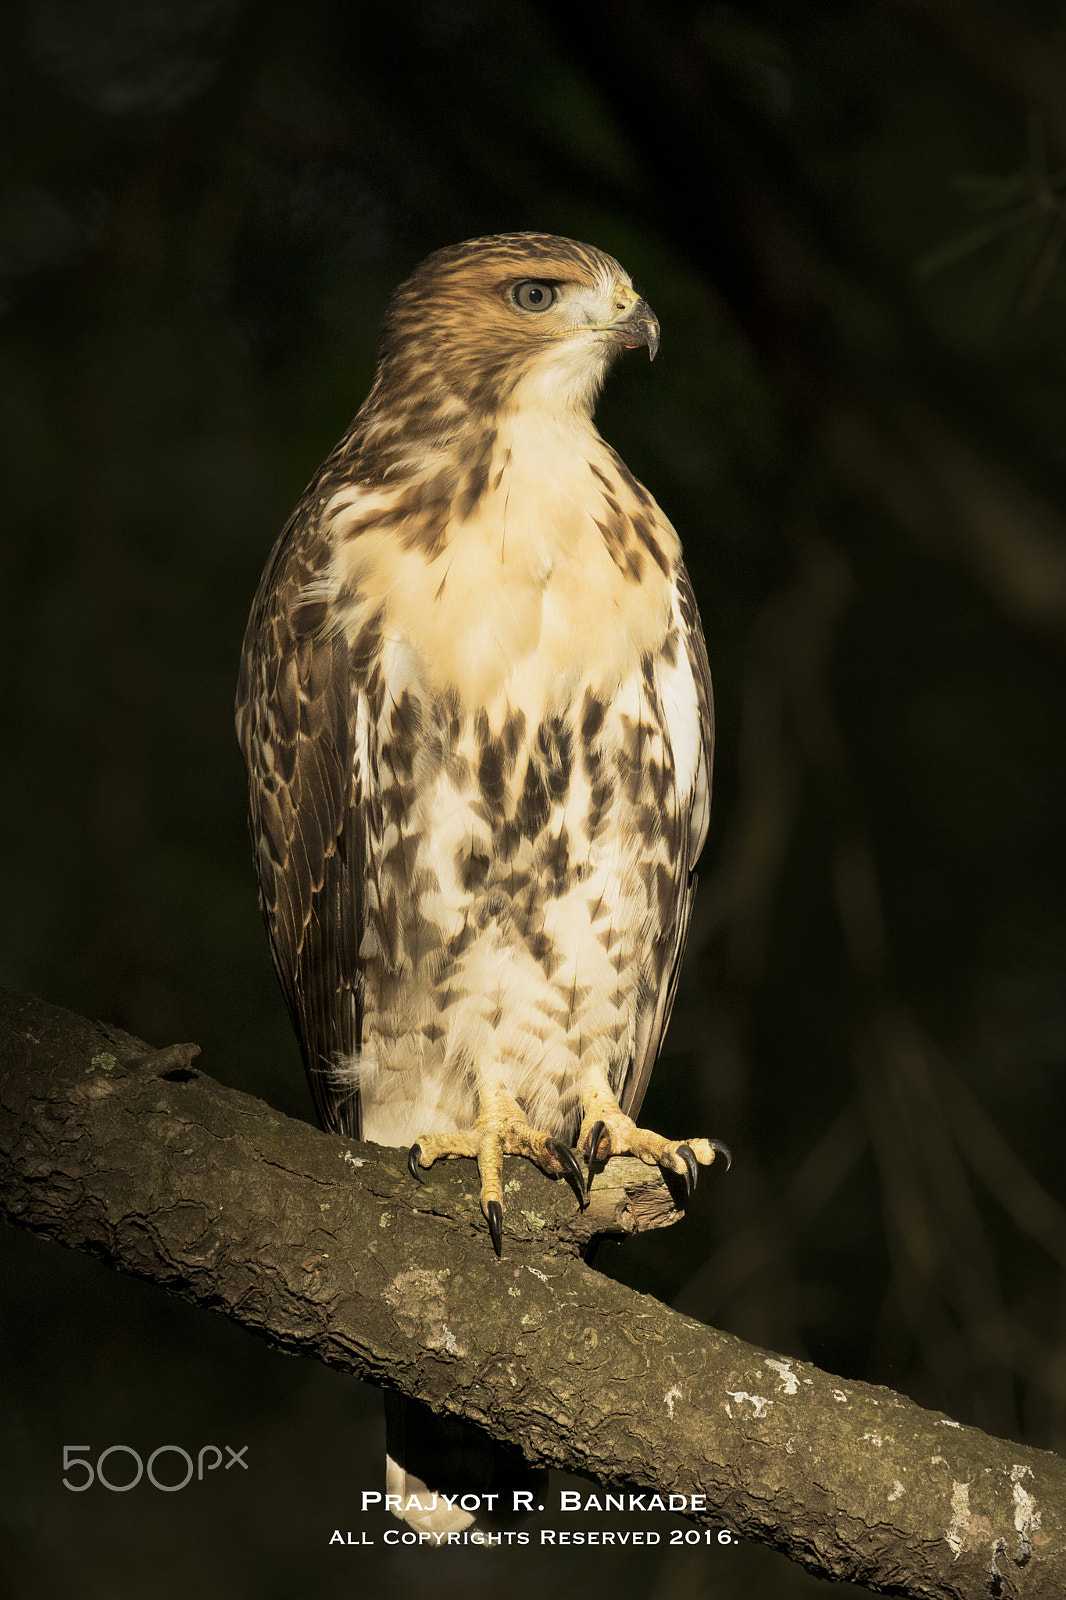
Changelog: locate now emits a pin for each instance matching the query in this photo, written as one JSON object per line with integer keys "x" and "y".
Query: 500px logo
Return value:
{"x": 74, "y": 1462}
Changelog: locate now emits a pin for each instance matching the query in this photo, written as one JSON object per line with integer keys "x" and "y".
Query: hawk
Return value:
{"x": 476, "y": 710}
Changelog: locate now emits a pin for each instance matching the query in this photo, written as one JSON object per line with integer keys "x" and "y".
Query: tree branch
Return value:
{"x": 326, "y": 1247}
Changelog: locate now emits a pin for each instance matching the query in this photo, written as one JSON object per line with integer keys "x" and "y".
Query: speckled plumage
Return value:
{"x": 476, "y": 710}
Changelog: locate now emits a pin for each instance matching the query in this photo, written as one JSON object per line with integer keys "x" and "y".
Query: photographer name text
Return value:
{"x": 521, "y": 1503}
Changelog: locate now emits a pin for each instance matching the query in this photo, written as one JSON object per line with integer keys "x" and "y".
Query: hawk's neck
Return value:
{"x": 530, "y": 542}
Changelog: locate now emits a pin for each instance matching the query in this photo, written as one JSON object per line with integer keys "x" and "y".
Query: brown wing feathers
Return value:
{"x": 296, "y": 729}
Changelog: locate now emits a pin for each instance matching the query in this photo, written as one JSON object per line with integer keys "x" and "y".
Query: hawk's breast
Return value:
{"x": 557, "y": 575}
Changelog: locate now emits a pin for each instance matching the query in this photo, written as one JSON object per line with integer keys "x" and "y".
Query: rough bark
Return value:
{"x": 328, "y": 1248}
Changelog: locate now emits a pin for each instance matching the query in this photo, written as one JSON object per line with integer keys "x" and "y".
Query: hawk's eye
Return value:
{"x": 533, "y": 296}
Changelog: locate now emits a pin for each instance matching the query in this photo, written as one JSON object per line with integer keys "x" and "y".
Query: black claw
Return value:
{"x": 722, "y": 1150}
{"x": 494, "y": 1215}
{"x": 571, "y": 1170}
{"x": 692, "y": 1168}
{"x": 412, "y": 1162}
{"x": 598, "y": 1130}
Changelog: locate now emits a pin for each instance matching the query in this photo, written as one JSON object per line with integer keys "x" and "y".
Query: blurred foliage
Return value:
{"x": 849, "y": 217}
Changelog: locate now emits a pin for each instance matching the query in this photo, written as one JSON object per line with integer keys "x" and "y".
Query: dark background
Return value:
{"x": 849, "y": 218}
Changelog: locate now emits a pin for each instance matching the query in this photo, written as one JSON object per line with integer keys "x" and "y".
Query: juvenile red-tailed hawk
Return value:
{"x": 476, "y": 711}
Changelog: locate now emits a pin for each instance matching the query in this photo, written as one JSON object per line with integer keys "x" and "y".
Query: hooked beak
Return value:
{"x": 634, "y": 324}
{"x": 638, "y": 325}
{"x": 641, "y": 327}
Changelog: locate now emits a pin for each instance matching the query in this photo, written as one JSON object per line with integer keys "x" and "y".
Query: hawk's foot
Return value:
{"x": 608, "y": 1132}
{"x": 502, "y": 1129}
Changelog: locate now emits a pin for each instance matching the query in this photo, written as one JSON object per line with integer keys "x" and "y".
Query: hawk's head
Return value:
{"x": 515, "y": 319}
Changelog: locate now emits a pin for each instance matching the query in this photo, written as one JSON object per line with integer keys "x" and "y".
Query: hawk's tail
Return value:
{"x": 431, "y": 1460}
